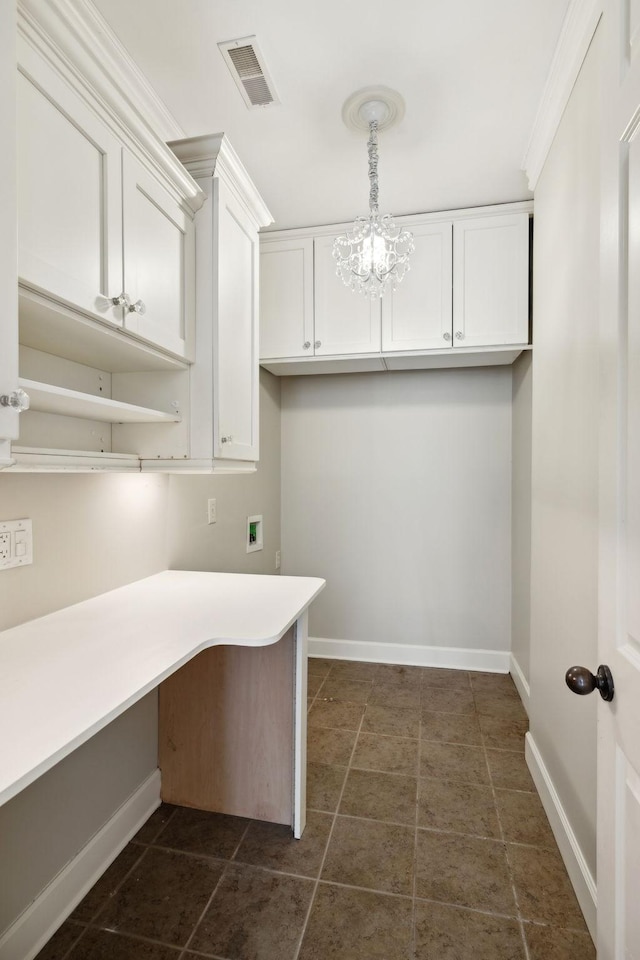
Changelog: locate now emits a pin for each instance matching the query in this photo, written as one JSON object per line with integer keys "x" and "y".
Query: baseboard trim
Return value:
{"x": 521, "y": 682}
{"x": 29, "y": 933}
{"x": 461, "y": 658}
{"x": 581, "y": 877}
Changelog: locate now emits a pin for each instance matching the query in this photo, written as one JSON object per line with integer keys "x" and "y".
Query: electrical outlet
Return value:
{"x": 212, "y": 512}
{"x": 16, "y": 548}
{"x": 277, "y": 559}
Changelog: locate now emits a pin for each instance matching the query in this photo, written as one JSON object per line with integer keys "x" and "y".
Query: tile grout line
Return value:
{"x": 214, "y": 891}
{"x": 326, "y": 849}
{"x": 525, "y": 946}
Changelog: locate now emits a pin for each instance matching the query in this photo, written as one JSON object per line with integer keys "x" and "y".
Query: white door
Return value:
{"x": 417, "y": 316}
{"x": 491, "y": 280}
{"x": 69, "y": 194}
{"x": 159, "y": 274}
{"x": 345, "y": 322}
{"x": 286, "y": 298}
{"x": 619, "y": 542}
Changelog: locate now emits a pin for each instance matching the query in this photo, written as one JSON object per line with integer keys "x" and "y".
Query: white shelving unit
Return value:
{"x": 48, "y": 398}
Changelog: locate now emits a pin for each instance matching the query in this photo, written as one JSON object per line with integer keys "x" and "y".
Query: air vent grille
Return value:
{"x": 246, "y": 63}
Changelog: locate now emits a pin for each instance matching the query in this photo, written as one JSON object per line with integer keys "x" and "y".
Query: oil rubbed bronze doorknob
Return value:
{"x": 582, "y": 681}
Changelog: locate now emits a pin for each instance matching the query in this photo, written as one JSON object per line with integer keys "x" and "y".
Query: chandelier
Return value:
{"x": 374, "y": 255}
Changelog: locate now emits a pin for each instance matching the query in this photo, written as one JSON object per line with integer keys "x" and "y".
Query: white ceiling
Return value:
{"x": 472, "y": 73}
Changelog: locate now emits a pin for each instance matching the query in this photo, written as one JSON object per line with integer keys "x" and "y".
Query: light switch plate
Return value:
{"x": 16, "y": 543}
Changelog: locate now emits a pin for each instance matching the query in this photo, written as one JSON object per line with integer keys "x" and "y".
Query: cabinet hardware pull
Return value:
{"x": 228, "y": 439}
{"x": 122, "y": 300}
{"x": 446, "y": 336}
{"x": 137, "y": 307}
{"x": 306, "y": 344}
{"x": 318, "y": 343}
{"x": 18, "y": 400}
{"x": 459, "y": 335}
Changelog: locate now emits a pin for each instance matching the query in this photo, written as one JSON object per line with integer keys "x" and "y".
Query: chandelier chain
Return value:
{"x": 372, "y": 152}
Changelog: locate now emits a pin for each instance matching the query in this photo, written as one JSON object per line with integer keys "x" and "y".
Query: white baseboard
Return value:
{"x": 28, "y": 934}
{"x": 581, "y": 877}
{"x": 521, "y": 682}
{"x": 461, "y": 658}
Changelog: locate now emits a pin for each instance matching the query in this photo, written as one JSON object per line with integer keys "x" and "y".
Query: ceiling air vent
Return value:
{"x": 246, "y": 63}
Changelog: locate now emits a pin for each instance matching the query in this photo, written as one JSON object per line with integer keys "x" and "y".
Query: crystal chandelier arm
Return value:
{"x": 372, "y": 152}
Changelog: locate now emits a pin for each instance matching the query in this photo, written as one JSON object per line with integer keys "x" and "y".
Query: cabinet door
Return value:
{"x": 491, "y": 281}
{"x": 286, "y": 298}
{"x": 345, "y": 322}
{"x": 417, "y": 315}
{"x": 158, "y": 261}
{"x": 235, "y": 399}
{"x": 69, "y": 194}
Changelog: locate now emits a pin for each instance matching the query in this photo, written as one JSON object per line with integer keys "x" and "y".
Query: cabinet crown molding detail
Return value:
{"x": 212, "y": 155}
{"x": 74, "y": 31}
{"x": 577, "y": 32}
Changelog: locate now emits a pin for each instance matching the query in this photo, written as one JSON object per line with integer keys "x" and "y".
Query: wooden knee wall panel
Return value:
{"x": 226, "y": 731}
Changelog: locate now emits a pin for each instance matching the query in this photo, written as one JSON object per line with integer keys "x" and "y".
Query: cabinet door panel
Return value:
{"x": 286, "y": 298}
{"x": 236, "y": 334}
{"x": 69, "y": 196}
{"x": 417, "y": 315}
{"x": 158, "y": 260}
{"x": 491, "y": 281}
{"x": 345, "y": 322}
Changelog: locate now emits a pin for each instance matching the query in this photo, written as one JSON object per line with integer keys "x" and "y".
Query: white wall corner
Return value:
{"x": 580, "y": 875}
{"x": 410, "y": 655}
{"x": 521, "y": 682}
{"x": 577, "y": 32}
{"x": 29, "y": 933}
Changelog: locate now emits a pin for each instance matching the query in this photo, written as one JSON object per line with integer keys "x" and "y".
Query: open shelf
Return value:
{"x": 54, "y": 328}
{"x": 41, "y": 460}
{"x": 47, "y": 398}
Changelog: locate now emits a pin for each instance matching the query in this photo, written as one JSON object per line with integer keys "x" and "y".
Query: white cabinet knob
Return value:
{"x": 122, "y": 300}
{"x": 137, "y": 307}
{"x": 459, "y": 335}
{"x": 18, "y": 400}
{"x": 446, "y": 336}
{"x": 317, "y": 344}
{"x": 228, "y": 439}
{"x": 306, "y": 344}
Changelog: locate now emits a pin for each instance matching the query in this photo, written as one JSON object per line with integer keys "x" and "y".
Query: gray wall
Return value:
{"x": 396, "y": 487}
{"x": 193, "y": 544}
{"x": 93, "y": 533}
{"x": 564, "y": 555}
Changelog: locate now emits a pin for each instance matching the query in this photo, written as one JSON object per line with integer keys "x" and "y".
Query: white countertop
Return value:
{"x": 65, "y": 676}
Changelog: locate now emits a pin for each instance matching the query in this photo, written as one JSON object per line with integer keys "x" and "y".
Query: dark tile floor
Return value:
{"x": 425, "y": 840}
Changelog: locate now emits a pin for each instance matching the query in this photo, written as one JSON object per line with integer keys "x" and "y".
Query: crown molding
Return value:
{"x": 577, "y": 32}
{"x": 213, "y": 155}
{"x": 77, "y": 41}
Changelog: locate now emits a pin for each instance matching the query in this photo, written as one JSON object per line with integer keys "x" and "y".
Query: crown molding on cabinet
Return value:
{"x": 209, "y": 155}
{"x": 577, "y": 32}
{"x": 74, "y": 37}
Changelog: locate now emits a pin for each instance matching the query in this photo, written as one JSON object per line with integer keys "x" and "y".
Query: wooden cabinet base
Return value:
{"x": 226, "y": 732}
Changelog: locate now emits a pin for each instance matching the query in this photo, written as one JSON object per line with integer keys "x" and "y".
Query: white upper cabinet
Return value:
{"x": 224, "y": 380}
{"x": 69, "y": 194}
{"x": 236, "y": 384}
{"x": 491, "y": 280}
{"x": 99, "y": 232}
{"x": 463, "y": 302}
{"x": 159, "y": 263}
{"x": 345, "y": 322}
{"x": 417, "y": 315}
{"x": 286, "y": 298}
